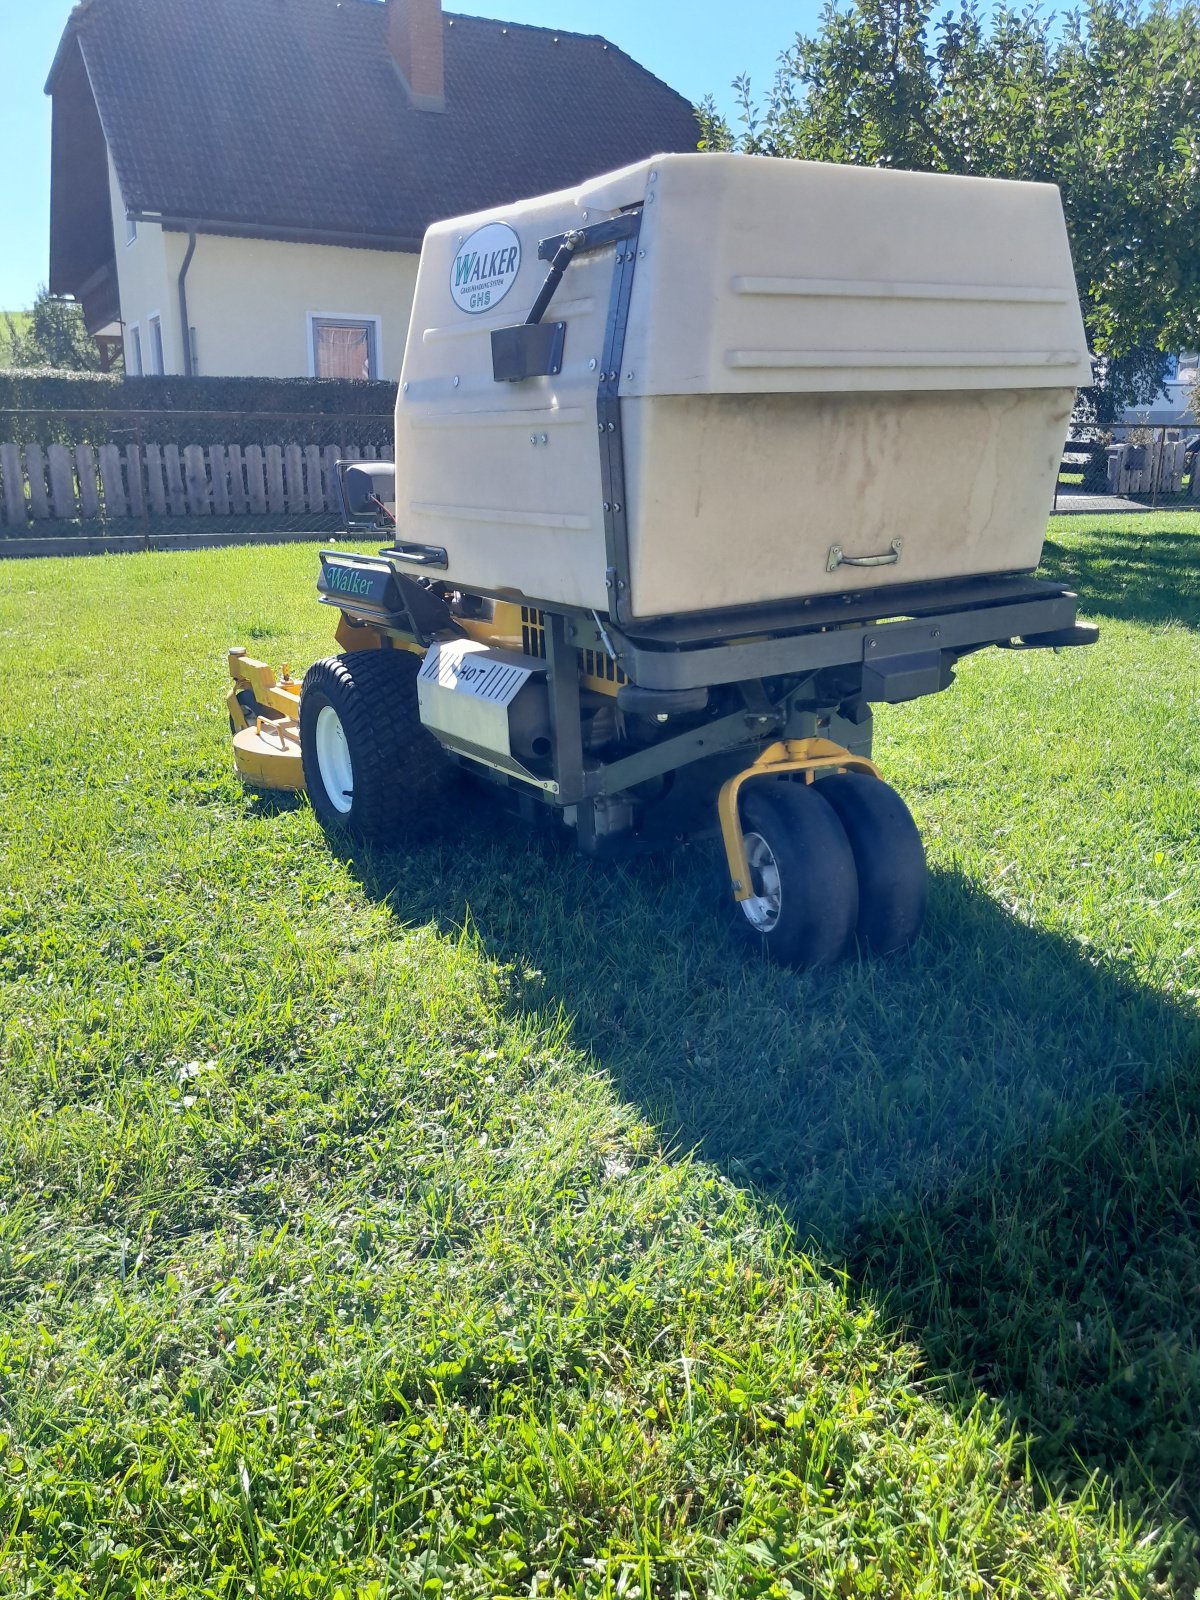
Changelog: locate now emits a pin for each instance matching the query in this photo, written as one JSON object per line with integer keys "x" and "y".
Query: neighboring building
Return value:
{"x": 260, "y": 173}
{"x": 1170, "y": 406}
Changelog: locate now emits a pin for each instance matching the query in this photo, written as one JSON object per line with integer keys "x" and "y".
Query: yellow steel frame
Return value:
{"x": 807, "y": 756}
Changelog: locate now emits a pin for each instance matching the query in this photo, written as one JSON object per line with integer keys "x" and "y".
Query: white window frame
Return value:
{"x": 130, "y": 231}
{"x": 158, "y": 354}
{"x": 135, "y": 345}
{"x": 344, "y": 316}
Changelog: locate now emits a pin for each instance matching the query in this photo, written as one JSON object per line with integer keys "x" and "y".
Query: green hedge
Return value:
{"x": 247, "y": 410}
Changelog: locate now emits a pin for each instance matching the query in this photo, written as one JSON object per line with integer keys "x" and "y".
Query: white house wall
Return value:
{"x": 145, "y": 287}
{"x": 250, "y": 301}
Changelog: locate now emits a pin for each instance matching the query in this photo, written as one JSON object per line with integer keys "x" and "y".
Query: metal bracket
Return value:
{"x": 1057, "y": 639}
{"x": 594, "y": 237}
{"x": 736, "y": 730}
{"x": 808, "y": 756}
{"x": 838, "y": 558}
{"x": 562, "y": 663}
{"x": 530, "y": 350}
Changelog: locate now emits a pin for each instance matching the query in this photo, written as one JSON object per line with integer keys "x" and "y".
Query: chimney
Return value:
{"x": 415, "y": 39}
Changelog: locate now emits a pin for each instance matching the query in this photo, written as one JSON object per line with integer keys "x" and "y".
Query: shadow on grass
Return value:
{"x": 269, "y": 803}
{"x": 996, "y": 1136}
{"x": 1130, "y": 573}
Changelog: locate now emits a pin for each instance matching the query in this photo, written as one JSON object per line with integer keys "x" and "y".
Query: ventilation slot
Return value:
{"x": 598, "y": 664}
{"x": 533, "y": 632}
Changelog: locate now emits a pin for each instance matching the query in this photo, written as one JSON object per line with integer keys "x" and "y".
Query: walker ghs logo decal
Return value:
{"x": 485, "y": 268}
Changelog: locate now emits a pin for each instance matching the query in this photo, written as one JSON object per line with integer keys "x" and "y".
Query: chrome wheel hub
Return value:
{"x": 763, "y": 908}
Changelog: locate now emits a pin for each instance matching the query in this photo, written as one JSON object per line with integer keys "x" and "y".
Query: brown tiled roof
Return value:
{"x": 289, "y": 117}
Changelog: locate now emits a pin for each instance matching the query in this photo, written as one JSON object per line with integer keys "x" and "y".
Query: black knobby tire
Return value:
{"x": 817, "y": 885}
{"x": 893, "y": 879}
{"x": 399, "y": 771}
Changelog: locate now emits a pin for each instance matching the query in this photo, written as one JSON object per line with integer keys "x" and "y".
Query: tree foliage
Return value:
{"x": 55, "y": 336}
{"x": 1105, "y": 102}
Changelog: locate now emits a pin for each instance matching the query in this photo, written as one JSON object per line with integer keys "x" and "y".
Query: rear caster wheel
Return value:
{"x": 889, "y": 858}
{"x": 371, "y": 768}
{"x": 805, "y": 901}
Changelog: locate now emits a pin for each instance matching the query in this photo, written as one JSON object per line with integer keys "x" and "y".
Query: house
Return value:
{"x": 1171, "y": 406}
{"x": 241, "y": 187}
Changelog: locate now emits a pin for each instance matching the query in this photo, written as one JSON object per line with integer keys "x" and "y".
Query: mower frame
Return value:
{"x": 797, "y": 680}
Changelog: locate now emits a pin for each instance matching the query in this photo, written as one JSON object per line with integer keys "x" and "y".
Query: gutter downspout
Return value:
{"x": 184, "y": 322}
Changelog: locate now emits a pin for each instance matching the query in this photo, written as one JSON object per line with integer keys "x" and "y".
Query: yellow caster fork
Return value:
{"x": 808, "y": 756}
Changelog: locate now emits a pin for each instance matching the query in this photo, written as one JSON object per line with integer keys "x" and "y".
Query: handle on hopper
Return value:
{"x": 838, "y": 558}
{"x": 421, "y": 555}
{"x": 563, "y": 257}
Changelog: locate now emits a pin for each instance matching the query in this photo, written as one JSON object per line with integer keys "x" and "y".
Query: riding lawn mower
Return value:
{"x": 694, "y": 466}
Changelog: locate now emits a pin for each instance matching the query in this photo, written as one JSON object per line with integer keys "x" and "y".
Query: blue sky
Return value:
{"x": 697, "y": 46}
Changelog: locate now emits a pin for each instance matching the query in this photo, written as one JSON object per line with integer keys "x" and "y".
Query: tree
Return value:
{"x": 1105, "y": 105}
{"x": 56, "y": 336}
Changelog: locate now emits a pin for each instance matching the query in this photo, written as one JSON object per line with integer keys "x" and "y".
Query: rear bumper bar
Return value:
{"x": 903, "y": 656}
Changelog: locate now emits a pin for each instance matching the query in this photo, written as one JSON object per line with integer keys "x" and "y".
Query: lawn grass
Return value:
{"x": 474, "y": 1220}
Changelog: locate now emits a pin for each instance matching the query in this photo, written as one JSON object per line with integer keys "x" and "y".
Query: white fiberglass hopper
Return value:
{"x": 781, "y": 369}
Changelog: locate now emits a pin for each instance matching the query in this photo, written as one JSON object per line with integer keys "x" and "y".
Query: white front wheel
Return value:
{"x": 333, "y": 760}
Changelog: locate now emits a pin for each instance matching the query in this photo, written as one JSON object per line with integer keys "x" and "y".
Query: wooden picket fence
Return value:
{"x": 1155, "y": 468}
{"x": 109, "y": 482}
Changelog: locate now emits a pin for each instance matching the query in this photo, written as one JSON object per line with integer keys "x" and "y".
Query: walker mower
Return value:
{"x": 774, "y": 442}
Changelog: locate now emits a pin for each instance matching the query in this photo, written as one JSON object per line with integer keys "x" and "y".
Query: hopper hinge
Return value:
{"x": 608, "y": 420}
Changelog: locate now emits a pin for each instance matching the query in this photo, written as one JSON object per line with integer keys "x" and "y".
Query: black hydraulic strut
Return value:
{"x": 563, "y": 257}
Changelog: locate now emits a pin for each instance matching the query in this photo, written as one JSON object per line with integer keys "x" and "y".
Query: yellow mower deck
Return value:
{"x": 266, "y": 750}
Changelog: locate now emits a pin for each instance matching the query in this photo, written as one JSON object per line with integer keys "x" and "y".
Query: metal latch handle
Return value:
{"x": 838, "y": 557}
{"x": 421, "y": 555}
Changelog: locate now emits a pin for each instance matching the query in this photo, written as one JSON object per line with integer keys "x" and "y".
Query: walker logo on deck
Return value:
{"x": 485, "y": 268}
